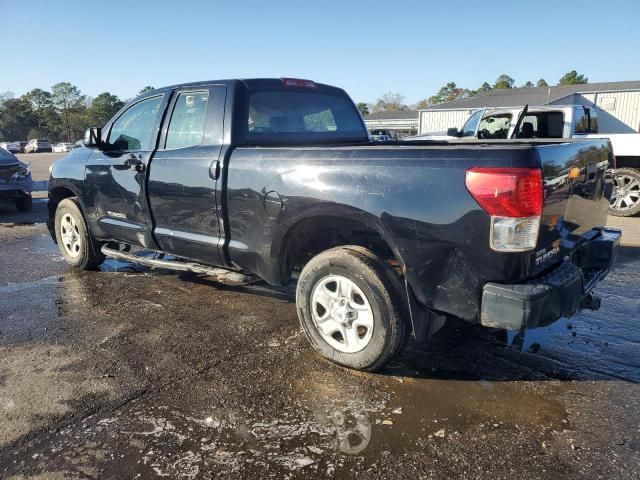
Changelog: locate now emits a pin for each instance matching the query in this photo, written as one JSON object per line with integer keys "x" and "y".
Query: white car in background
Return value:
{"x": 13, "y": 147}
{"x": 63, "y": 147}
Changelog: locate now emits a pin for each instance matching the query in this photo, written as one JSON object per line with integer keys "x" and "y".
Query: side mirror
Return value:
{"x": 453, "y": 132}
{"x": 93, "y": 137}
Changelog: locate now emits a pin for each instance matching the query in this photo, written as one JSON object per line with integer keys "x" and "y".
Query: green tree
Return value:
{"x": 422, "y": 104}
{"x": 504, "y": 81}
{"x": 529, "y": 84}
{"x": 390, "y": 102}
{"x": 146, "y": 89}
{"x": 16, "y": 119}
{"x": 572, "y": 78}
{"x": 6, "y": 96}
{"x": 484, "y": 88}
{"x": 448, "y": 93}
{"x": 103, "y": 107}
{"x": 42, "y": 105}
{"x": 68, "y": 102}
{"x": 34, "y": 133}
{"x": 542, "y": 83}
{"x": 364, "y": 109}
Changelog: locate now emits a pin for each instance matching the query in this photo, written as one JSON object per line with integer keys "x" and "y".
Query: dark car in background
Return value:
{"x": 38, "y": 146}
{"x": 13, "y": 147}
{"x": 15, "y": 180}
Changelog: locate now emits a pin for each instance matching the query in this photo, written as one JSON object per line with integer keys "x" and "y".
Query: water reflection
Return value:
{"x": 351, "y": 429}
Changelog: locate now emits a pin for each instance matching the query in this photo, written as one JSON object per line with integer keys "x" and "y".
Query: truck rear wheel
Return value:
{"x": 78, "y": 247}
{"x": 625, "y": 200}
{"x": 350, "y": 307}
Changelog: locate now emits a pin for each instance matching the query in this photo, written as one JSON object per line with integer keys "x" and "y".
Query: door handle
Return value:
{"x": 214, "y": 170}
{"x": 135, "y": 163}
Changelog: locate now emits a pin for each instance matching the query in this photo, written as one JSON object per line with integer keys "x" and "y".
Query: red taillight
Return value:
{"x": 507, "y": 192}
{"x": 298, "y": 82}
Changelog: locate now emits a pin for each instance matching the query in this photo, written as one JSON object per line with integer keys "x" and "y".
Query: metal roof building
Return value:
{"x": 618, "y": 104}
{"x": 398, "y": 122}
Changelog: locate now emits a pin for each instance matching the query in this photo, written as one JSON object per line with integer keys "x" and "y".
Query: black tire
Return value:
{"x": 24, "y": 203}
{"x": 89, "y": 255}
{"x": 627, "y": 212}
{"x": 379, "y": 283}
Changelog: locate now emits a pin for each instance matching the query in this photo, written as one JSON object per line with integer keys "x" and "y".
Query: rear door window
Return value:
{"x": 542, "y": 125}
{"x": 290, "y": 115}
{"x": 186, "y": 127}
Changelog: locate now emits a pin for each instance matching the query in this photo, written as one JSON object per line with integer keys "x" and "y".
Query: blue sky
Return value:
{"x": 367, "y": 48}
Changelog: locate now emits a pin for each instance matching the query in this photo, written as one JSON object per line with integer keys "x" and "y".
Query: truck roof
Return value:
{"x": 530, "y": 108}
{"x": 247, "y": 82}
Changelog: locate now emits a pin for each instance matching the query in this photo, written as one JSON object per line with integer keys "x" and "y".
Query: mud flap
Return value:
{"x": 424, "y": 323}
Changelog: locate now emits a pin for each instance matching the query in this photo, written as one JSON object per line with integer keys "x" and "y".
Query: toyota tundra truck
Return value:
{"x": 277, "y": 180}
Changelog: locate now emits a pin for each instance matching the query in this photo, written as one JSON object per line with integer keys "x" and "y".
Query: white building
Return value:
{"x": 397, "y": 123}
{"x": 618, "y": 105}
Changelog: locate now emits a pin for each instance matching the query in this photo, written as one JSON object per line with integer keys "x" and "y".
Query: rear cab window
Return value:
{"x": 280, "y": 114}
{"x": 585, "y": 120}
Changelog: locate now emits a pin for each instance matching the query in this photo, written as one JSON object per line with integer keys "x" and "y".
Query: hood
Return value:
{"x": 9, "y": 164}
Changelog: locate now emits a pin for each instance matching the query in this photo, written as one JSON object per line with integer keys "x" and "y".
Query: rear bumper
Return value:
{"x": 559, "y": 293}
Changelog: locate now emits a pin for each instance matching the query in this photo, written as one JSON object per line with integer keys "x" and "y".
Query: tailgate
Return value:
{"x": 577, "y": 189}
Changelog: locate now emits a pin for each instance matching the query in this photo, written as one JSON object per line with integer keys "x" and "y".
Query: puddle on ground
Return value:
{"x": 329, "y": 420}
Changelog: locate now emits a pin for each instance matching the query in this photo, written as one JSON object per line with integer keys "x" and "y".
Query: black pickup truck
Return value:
{"x": 277, "y": 179}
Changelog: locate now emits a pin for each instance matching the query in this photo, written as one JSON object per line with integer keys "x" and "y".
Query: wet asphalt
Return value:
{"x": 129, "y": 372}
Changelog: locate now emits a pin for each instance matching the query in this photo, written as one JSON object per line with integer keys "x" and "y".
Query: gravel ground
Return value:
{"x": 134, "y": 373}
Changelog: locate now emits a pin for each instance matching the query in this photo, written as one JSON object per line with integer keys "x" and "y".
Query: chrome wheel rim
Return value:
{"x": 626, "y": 192}
{"x": 70, "y": 234}
{"x": 342, "y": 314}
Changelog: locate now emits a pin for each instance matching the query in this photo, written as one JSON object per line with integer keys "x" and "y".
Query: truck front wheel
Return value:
{"x": 625, "y": 200}
{"x": 350, "y": 306}
{"x": 78, "y": 247}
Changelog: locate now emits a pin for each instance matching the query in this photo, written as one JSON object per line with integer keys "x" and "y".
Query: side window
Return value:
{"x": 593, "y": 124}
{"x": 132, "y": 130}
{"x": 585, "y": 120}
{"x": 186, "y": 127}
{"x": 495, "y": 126}
{"x": 469, "y": 128}
{"x": 542, "y": 125}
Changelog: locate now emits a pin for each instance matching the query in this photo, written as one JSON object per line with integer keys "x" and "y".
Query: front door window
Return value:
{"x": 132, "y": 130}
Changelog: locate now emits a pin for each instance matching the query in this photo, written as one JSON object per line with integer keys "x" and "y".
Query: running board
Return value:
{"x": 228, "y": 277}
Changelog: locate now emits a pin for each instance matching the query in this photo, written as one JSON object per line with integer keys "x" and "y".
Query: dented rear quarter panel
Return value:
{"x": 414, "y": 197}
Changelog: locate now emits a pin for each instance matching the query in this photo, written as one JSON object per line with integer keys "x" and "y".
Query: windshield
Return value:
{"x": 469, "y": 128}
{"x": 290, "y": 115}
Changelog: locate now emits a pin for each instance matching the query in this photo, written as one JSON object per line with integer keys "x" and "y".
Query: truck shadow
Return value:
{"x": 589, "y": 346}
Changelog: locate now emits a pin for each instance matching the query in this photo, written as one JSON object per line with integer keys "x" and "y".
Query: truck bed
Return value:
{"x": 414, "y": 196}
